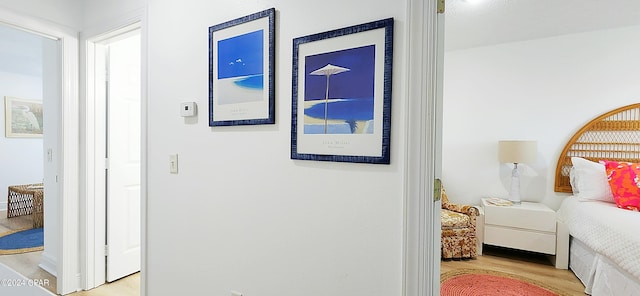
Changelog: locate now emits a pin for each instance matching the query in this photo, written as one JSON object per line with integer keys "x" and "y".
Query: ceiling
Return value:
{"x": 474, "y": 23}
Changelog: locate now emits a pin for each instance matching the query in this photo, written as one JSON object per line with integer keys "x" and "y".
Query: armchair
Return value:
{"x": 458, "y": 224}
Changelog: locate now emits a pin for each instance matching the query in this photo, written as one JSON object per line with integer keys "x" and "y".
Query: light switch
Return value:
{"x": 173, "y": 163}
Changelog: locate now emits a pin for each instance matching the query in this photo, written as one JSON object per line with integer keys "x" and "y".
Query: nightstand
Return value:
{"x": 529, "y": 226}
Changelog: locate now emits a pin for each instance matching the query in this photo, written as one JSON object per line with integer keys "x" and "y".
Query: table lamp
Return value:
{"x": 516, "y": 152}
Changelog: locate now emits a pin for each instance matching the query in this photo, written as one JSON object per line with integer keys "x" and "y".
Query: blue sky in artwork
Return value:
{"x": 241, "y": 55}
{"x": 358, "y": 83}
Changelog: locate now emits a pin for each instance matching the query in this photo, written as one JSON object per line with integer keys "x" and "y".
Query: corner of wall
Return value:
{"x": 48, "y": 263}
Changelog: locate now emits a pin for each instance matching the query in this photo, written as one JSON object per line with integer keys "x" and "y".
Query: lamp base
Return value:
{"x": 514, "y": 194}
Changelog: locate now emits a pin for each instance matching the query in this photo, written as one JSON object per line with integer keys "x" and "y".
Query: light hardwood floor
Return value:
{"x": 530, "y": 265}
{"x": 128, "y": 286}
{"x": 27, "y": 265}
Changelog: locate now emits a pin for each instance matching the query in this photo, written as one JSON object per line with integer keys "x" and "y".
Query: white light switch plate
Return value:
{"x": 173, "y": 163}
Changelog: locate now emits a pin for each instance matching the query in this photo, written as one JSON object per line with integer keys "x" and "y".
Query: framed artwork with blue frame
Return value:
{"x": 241, "y": 70}
{"x": 341, "y": 108}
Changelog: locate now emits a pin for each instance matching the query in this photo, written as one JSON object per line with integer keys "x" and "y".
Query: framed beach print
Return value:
{"x": 241, "y": 70}
{"x": 23, "y": 118}
{"x": 341, "y": 108}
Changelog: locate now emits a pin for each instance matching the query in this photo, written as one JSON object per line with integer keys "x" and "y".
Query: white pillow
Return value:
{"x": 590, "y": 180}
{"x": 573, "y": 182}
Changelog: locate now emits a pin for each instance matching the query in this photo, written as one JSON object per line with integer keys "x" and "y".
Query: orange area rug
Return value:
{"x": 466, "y": 282}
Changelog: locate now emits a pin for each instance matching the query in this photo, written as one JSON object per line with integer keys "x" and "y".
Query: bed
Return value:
{"x": 598, "y": 237}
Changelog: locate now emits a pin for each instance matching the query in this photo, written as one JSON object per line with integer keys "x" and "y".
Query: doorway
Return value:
{"x": 114, "y": 111}
{"x": 30, "y": 78}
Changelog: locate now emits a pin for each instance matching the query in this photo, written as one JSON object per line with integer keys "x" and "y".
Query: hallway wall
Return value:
{"x": 241, "y": 215}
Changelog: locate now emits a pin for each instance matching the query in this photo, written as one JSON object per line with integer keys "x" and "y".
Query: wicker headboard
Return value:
{"x": 614, "y": 135}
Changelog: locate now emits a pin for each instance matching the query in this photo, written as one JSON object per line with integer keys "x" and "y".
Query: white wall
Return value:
{"x": 100, "y": 17}
{"x": 542, "y": 90}
{"x": 99, "y": 13}
{"x": 241, "y": 215}
{"x": 62, "y": 12}
{"x": 21, "y": 159}
{"x": 52, "y": 90}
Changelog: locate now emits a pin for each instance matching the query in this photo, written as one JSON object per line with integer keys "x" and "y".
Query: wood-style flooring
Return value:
{"x": 530, "y": 265}
{"x": 27, "y": 265}
{"x": 128, "y": 286}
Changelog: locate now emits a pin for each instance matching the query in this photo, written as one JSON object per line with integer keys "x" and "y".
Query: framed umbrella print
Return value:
{"x": 241, "y": 70}
{"x": 341, "y": 108}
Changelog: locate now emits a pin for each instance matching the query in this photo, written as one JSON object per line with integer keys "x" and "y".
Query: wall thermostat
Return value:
{"x": 188, "y": 109}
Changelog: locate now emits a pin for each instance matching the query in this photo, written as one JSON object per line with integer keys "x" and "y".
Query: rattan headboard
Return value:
{"x": 614, "y": 135}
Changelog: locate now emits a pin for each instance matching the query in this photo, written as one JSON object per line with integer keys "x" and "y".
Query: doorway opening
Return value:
{"x": 114, "y": 195}
{"x": 30, "y": 75}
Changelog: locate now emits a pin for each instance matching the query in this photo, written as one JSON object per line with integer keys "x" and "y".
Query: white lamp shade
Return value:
{"x": 517, "y": 151}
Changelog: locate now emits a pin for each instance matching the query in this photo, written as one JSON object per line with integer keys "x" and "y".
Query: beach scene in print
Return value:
{"x": 26, "y": 117}
{"x": 339, "y": 92}
{"x": 241, "y": 69}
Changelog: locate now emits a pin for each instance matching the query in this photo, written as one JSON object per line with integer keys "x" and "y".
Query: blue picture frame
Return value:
{"x": 341, "y": 94}
{"x": 242, "y": 70}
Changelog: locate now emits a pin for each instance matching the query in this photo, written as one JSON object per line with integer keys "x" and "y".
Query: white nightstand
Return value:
{"x": 529, "y": 226}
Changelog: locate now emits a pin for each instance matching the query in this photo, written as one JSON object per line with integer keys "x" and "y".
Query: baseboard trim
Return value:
{"x": 48, "y": 263}
{"x": 3, "y": 205}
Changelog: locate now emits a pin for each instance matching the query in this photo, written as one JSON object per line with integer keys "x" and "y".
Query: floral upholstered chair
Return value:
{"x": 458, "y": 229}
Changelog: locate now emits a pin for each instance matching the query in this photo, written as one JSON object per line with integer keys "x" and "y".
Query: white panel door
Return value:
{"x": 123, "y": 156}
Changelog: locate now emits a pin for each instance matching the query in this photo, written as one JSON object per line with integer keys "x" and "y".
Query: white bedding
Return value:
{"x": 608, "y": 230}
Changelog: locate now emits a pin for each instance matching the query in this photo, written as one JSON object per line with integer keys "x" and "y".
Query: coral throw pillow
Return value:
{"x": 624, "y": 179}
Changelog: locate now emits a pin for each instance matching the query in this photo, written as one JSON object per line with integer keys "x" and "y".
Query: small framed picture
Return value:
{"x": 23, "y": 118}
{"x": 341, "y": 108}
{"x": 241, "y": 70}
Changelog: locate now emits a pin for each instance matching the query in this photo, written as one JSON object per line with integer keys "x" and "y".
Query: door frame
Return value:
{"x": 67, "y": 150}
{"x": 93, "y": 265}
{"x": 421, "y": 266}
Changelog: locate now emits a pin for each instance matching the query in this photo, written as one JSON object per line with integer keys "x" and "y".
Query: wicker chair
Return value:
{"x": 458, "y": 229}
